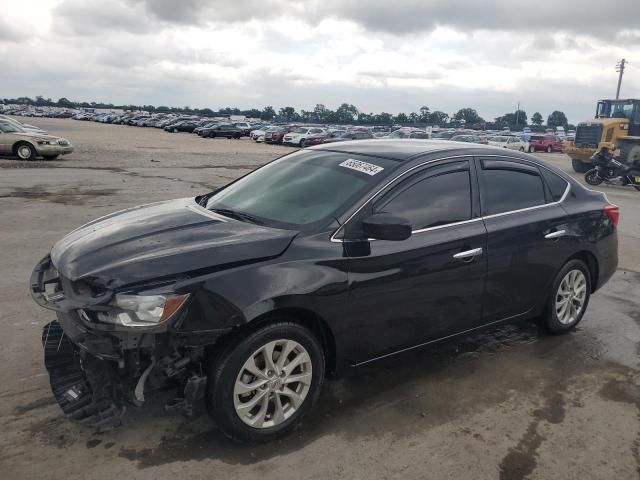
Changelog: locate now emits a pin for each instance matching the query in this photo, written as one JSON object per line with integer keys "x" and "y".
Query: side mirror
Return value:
{"x": 384, "y": 226}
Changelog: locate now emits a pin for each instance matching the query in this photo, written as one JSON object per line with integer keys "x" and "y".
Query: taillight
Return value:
{"x": 613, "y": 212}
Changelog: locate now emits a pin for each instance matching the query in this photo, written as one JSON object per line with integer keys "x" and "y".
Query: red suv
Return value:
{"x": 547, "y": 143}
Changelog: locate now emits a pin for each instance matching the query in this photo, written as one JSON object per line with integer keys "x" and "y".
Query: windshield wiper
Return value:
{"x": 228, "y": 212}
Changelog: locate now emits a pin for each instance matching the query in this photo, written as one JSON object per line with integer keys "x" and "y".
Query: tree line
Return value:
{"x": 344, "y": 114}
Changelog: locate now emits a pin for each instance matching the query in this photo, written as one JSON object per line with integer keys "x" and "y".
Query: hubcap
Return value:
{"x": 272, "y": 384}
{"x": 24, "y": 152}
{"x": 571, "y": 296}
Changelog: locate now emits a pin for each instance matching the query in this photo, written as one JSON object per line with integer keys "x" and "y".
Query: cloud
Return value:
{"x": 409, "y": 16}
{"x": 11, "y": 33}
{"x": 93, "y": 18}
{"x": 378, "y": 55}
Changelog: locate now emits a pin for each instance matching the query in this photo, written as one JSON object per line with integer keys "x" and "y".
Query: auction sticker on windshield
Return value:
{"x": 364, "y": 167}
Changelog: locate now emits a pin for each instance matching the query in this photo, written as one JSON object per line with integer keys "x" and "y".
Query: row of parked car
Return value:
{"x": 308, "y": 135}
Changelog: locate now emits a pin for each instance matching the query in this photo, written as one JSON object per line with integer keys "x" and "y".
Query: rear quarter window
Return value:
{"x": 556, "y": 184}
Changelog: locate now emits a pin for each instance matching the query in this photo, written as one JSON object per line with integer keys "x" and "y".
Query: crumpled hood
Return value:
{"x": 160, "y": 240}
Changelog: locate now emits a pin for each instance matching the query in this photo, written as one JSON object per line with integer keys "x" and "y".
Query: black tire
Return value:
{"x": 302, "y": 143}
{"x": 592, "y": 178}
{"x": 532, "y": 149}
{"x": 522, "y": 149}
{"x": 24, "y": 151}
{"x": 227, "y": 366}
{"x": 212, "y": 135}
{"x": 50, "y": 157}
{"x": 579, "y": 166}
{"x": 549, "y": 149}
{"x": 237, "y": 136}
{"x": 549, "y": 320}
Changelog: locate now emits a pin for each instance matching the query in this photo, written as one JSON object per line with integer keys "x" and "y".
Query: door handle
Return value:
{"x": 468, "y": 254}
{"x": 556, "y": 234}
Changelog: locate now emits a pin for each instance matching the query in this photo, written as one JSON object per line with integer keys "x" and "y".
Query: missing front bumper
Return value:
{"x": 83, "y": 385}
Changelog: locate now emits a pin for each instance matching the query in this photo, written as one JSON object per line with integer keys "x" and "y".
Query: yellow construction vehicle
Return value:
{"x": 616, "y": 126}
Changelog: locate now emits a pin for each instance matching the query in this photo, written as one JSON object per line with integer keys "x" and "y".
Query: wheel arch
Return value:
{"x": 301, "y": 316}
{"x": 17, "y": 143}
{"x": 592, "y": 264}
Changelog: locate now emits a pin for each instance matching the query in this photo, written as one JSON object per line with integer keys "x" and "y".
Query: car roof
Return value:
{"x": 407, "y": 149}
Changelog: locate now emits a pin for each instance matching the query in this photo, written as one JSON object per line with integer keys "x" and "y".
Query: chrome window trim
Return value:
{"x": 427, "y": 229}
{"x": 495, "y": 215}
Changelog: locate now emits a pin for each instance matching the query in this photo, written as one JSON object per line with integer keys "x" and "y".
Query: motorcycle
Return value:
{"x": 612, "y": 172}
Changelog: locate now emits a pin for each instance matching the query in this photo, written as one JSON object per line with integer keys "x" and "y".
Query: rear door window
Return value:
{"x": 508, "y": 186}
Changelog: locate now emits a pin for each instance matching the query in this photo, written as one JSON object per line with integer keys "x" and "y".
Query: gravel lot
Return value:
{"x": 508, "y": 404}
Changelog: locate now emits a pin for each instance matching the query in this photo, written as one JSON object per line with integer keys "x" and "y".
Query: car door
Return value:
{"x": 526, "y": 236}
{"x": 6, "y": 142}
{"x": 430, "y": 285}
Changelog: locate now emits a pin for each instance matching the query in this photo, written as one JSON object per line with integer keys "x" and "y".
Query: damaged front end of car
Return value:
{"x": 110, "y": 348}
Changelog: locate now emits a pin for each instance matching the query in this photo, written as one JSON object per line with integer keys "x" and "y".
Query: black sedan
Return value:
{"x": 327, "y": 258}
{"x": 224, "y": 130}
{"x": 186, "y": 126}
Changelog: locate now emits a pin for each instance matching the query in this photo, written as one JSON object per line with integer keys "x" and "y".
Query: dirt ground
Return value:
{"x": 509, "y": 403}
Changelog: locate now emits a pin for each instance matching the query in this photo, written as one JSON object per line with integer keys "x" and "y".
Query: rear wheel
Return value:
{"x": 24, "y": 151}
{"x": 569, "y": 297}
{"x": 579, "y": 166}
{"x": 262, "y": 385}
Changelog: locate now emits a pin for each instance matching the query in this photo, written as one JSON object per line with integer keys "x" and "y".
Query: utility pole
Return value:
{"x": 518, "y": 115}
{"x": 620, "y": 69}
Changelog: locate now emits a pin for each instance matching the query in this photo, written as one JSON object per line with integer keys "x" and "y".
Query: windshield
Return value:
{"x": 6, "y": 127}
{"x": 302, "y": 188}
{"x": 299, "y": 130}
{"x": 613, "y": 109}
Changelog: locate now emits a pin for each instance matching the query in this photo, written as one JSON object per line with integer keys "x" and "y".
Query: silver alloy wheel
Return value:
{"x": 571, "y": 296}
{"x": 272, "y": 384}
{"x": 24, "y": 152}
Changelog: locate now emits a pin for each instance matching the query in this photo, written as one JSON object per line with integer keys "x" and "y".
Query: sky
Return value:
{"x": 380, "y": 55}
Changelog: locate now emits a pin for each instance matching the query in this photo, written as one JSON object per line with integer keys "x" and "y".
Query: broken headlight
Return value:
{"x": 142, "y": 310}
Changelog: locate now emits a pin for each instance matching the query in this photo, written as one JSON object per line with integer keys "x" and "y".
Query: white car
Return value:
{"x": 512, "y": 143}
{"x": 299, "y": 136}
{"x": 258, "y": 135}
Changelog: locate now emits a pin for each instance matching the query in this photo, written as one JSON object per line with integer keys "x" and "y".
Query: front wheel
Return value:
{"x": 262, "y": 385}
{"x": 521, "y": 149}
{"x": 25, "y": 151}
{"x": 302, "y": 143}
{"x": 569, "y": 297}
{"x": 592, "y": 177}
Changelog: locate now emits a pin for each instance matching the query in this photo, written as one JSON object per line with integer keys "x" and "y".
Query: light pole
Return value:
{"x": 620, "y": 69}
